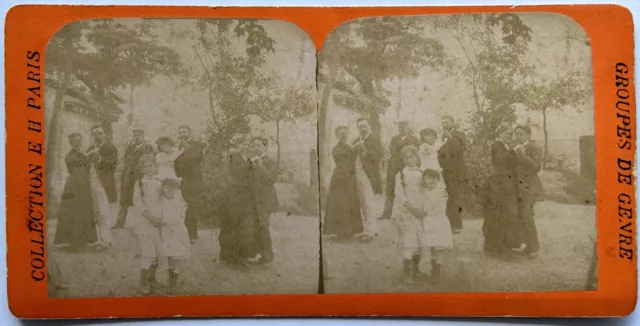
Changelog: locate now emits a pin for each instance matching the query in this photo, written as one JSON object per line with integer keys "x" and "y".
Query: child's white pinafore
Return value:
{"x": 147, "y": 197}
{"x": 436, "y": 224}
{"x": 175, "y": 237}
{"x": 411, "y": 229}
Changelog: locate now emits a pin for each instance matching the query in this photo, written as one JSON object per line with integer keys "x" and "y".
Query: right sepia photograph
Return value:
{"x": 457, "y": 154}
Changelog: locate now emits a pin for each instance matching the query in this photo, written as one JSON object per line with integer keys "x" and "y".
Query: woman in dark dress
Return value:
{"x": 76, "y": 226}
{"x": 502, "y": 227}
{"x": 342, "y": 213}
{"x": 237, "y": 225}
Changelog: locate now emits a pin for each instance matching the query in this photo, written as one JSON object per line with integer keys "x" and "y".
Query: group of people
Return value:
{"x": 90, "y": 200}
{"x": 250, "y": 198}
{"x": 425, "y": 185}
{"x": 161, "y": 190}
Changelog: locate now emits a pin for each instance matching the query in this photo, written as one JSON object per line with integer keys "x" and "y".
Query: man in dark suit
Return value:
{"x": 529, "y": 186}
{"x": 105, "y": 157}
{"x": 131, "y": 173}
{"x": 369, "y": 181}
{"x": 403, "y": 138}
{"x": 188, "y": 167}
{"x": 454, "y": 170}
{"x": 264, "y": 176}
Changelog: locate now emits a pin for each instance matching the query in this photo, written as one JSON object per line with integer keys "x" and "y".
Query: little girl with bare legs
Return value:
{"x": 173, "y": 233}
{"x": 147, "y": 205}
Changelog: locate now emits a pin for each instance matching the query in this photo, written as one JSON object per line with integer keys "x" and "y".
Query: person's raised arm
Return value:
{"x": 531, "y": 159}
{"x": 374, "y": 152}
{"x": 268, "y": 171}
{"x": 108, "y": 158}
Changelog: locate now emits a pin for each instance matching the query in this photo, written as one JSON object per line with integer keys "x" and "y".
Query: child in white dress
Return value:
{"x": 408, "y": 215}
{"x": 147, "y": 208}
{"x": 436, "y": 224}
{"x": 173, "y": 233}
{"x": 428, "y": 150}
{"x": 166, "y": 157}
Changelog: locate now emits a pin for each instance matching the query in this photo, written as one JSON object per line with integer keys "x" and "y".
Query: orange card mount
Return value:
{"x": 89, "y": 93}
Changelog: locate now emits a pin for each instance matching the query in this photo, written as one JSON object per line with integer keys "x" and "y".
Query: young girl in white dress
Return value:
{"x": 408, "y": 216}
{"x": 147, "y": 207}
{"x": 437, "y": 228}
{"x": 166, "y": 157}
{"x": 173, "y": 233}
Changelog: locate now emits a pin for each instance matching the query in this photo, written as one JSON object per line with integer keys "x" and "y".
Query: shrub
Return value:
{"x": 214, "y": 171}
{"x": 478, "y": 163}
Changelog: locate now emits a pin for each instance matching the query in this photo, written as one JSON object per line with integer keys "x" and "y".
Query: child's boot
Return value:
{"x": 153, "y": 282}
{"x": 407, "y": 272}
{"x": 173, "y": 280}
{"x": 415, "y": 265}
{"x": 144, "y": 282}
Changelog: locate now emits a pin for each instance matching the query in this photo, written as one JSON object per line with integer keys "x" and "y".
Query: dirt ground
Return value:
{"x": 115, "y": 273}
{"x": 565, "y": 232}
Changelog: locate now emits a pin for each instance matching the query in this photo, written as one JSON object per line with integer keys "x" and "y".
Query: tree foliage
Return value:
{"x": 230, "y": 78}
{"x": 108, "y": 54}
{"x": 494, "y": 64}
{"x": 541, "y": 94}
{"x": 94, "y": 59}
{"x": 386, "y": 48}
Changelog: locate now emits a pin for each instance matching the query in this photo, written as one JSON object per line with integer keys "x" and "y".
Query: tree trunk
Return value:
{"x": 52, "y": 146}
{"x": 278, "y": 145}
{"x": 324, "y": 125}
{"x": 376, "y": 125}
{"x": 546, "y": 137}
{"x": 131, "y": 105}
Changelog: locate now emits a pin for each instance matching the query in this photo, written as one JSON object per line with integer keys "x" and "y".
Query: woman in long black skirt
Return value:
{"x": 342, "y": 212}
{"x": 76, "y": 226}
{"x": 237, "y": 225}
{"x": 502, "y": 226}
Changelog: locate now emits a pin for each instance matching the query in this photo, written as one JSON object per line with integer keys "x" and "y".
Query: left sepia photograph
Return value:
{"x": 181, "y": 158}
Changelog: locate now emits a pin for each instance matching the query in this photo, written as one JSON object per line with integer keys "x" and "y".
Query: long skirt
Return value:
{"x": 342, "y": 213}
{"x": 76, "y": 225}
{"x": 238, "y": 226}
{"x": 502, "y": 227}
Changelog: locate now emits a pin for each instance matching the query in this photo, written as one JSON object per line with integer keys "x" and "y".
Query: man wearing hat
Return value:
{"x": 404, "y": 138}
{"x": 131, "y": 173}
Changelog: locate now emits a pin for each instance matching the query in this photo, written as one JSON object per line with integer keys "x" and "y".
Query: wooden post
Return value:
{"x": 588, "y": 158}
